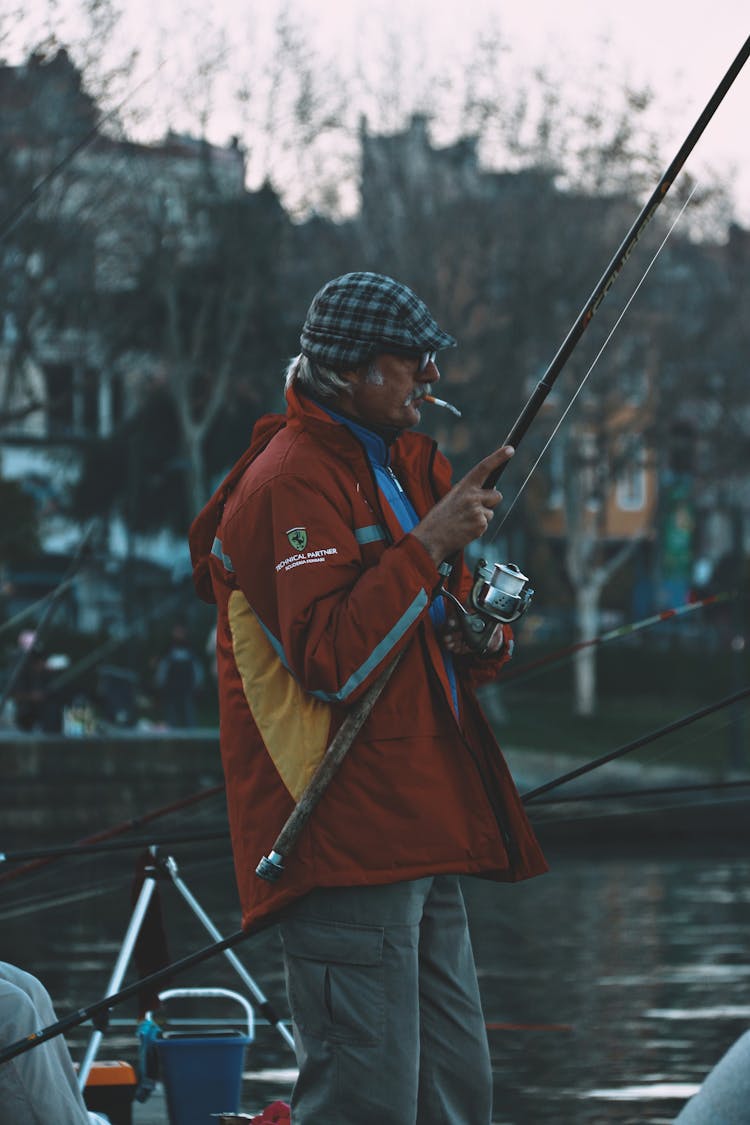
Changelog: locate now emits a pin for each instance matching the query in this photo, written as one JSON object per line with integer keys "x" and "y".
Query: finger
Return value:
{"x": 491, "y": 498}
{"x": 489, "y": 464}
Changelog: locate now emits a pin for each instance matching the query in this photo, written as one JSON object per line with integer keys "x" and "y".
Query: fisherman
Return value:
{"x": 38, "y": 1086}
{"x": 324, "y": 551}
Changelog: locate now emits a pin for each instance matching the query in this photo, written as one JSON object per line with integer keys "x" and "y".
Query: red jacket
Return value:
{"x": 318, "y": 589}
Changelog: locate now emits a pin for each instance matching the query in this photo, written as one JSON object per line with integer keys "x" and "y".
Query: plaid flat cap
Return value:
{"x": 359, "y": 314}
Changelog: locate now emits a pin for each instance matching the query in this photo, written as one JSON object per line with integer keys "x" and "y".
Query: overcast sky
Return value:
{"x": 679, "y": 48}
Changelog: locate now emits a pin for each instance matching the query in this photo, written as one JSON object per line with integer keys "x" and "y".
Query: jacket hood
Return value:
{"x": 203, "y": 528}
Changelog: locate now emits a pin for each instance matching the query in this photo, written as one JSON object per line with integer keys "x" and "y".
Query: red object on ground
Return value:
{"x": 277, "y": 1113}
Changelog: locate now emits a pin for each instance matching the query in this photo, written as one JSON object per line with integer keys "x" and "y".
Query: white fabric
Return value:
{"x": 724, "y": 1097}
{"x": 38, "y": 1087}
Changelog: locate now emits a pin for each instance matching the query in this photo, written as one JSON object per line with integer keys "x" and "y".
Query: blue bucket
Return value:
{"x": 202, "y": 1073}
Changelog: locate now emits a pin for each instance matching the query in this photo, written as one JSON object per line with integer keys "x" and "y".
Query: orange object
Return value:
{"x": 114, "y": 1073}
{"x": 110, "y": 1088}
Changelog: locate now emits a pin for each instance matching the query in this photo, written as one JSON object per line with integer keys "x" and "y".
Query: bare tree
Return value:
{"x": 202, "y": 309}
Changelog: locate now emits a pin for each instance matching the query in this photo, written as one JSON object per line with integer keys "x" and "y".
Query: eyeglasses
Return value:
{"x": 425, "y": 360}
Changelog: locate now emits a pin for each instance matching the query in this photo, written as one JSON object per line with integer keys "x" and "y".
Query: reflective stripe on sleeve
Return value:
{"x": 218, "y": 550}
{"x": 369, "y": 534}
{"x": 378, "y": 654}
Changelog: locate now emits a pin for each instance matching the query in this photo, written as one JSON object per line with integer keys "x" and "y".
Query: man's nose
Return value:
{"x": 430, "y": 373}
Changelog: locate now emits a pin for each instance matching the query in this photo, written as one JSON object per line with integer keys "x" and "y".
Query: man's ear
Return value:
{"x": 353, "y": 377}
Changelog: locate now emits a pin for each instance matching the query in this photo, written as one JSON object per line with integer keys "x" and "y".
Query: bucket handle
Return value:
{"x": 227, "y": 992}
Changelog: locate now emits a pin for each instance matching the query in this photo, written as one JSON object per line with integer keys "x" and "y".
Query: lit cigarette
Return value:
{"x": 441, "y": 402}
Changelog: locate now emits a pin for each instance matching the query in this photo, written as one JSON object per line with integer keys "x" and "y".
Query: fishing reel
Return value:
{"x": 500, "y": 594}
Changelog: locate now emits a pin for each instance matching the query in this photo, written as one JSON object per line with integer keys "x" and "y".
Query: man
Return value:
{"x": 322, "y": 550}
{"x": 38, "y": 1087}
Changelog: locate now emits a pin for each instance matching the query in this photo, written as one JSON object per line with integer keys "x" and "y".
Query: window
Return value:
{"x": 631, "y": 480}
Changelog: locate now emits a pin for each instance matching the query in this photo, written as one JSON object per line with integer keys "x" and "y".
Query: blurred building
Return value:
{"x": 507, "y": 257}
{"x": 79, "y": 202}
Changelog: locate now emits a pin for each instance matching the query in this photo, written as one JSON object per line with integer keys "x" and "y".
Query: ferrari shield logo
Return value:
{"x": 297, "y": 536}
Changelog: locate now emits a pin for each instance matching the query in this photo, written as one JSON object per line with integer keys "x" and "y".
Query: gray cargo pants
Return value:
{"x": 387, "y": 1017}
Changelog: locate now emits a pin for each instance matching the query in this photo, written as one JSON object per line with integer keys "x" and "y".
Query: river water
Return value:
{"x": 611, "y": 985}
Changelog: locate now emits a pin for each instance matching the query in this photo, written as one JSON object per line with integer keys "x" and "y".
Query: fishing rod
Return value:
{"x": 195, "y": 837}
{"x": 271, "y": 867}
{"x": 96, "y": 655}
{"x": 500, "y": 593}
{"x": 30, "y": 610}
{"x": 46, "y": 617}
{"x": 114, "y": 845}
{"x": 99, "y": 1010}
{"x": 8, "y": 224}
{"x": 41, "y": 856}
{"x": 648, "y": 791}
{"x": 223, "y": 834}
{"x": 644, "y": 740}
{"x": 116, "y": 830}
{"x": 102, "y": 1007}
{"x": 141, "y": 842}
{"x": 493, "y": 586}
{"x": 528, "y": 669}
{"x": 608, "y": 278}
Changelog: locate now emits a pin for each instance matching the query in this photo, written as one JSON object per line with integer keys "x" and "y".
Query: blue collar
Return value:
{"x": 375, "y": 446}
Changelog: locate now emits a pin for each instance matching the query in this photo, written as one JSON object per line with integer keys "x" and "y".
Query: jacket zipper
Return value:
{"x": 489, "y": 789}
{"x": 491, "y": 795}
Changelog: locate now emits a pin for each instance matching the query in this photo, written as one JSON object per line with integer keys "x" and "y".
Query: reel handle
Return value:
{"x": 477, "y": 630}
{"x": 500, "y": 594}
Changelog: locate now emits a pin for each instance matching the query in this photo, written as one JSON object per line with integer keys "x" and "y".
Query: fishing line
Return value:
{"x": 11, "y": 220}
{"x": 124, "y": 826}
{"x": 651, "y": 791}
{"x": 617, "y": 822}
{"x": 597, "y": 357}
{"x": 534, "y": 667}
{"x": 702, "y": 801}
{"x": 666, "y": 754}
{"x": 116, "y": 881}
{"x": 644, "y": 740}
{"x": 717, "y": 725}
{"x": 102, "y": 1007}
{"x": 93, "y": 657}
{"x": 71, "y": 572}
{"x": 22, "y": 907}
{"x": 30, "y": 610}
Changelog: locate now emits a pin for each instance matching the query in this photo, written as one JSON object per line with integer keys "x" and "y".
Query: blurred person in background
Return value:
{"x": 179, "y": 677}
{"x": 38, "y": 706}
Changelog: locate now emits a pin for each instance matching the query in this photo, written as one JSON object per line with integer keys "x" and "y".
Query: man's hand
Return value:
{"x": 453, "y": 639}
{"x": 464, "y": 513}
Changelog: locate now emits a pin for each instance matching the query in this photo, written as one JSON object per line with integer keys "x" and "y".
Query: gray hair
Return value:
{"x": 322, "y": 382}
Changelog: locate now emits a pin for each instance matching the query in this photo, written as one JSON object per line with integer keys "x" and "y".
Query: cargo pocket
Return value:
{"x": 335, "y": 980}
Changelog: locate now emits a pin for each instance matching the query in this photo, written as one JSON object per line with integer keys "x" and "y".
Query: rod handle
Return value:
{"x": 271, "y": 867}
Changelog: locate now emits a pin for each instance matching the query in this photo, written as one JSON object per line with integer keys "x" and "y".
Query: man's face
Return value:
{"x": 393, "y": 398}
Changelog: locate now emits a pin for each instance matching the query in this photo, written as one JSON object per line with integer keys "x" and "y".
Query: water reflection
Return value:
{"x": 611, "y": 986}
{"x": 606, "y": 946}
